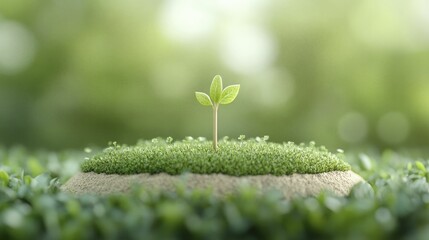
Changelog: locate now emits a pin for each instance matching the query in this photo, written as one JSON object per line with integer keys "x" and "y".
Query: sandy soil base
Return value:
{"x": 338, "y": 182}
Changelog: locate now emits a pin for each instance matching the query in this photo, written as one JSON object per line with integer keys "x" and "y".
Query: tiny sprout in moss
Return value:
{"x": 218, "y": 95}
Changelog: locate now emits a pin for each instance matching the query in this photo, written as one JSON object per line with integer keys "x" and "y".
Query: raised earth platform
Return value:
{"x": 338, "y": 182}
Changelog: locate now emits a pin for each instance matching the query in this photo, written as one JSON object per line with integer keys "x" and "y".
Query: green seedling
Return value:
{"x": 218, "y": 96}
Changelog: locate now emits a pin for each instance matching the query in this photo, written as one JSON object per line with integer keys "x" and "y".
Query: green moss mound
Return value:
{"x": 236, "y": 158}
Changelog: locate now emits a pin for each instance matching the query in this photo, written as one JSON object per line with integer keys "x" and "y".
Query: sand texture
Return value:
{"x": 338, "y": 182}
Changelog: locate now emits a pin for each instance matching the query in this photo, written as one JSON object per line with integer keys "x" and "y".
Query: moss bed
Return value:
{"x": 234, "y": 157}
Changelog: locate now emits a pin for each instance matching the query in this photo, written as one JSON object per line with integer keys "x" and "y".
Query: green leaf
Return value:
{"x": 420, "y": 166}
{"x": 216, "y": 89}
{"x": 4, "y": 177}
{"x": 35, "y": 167}
{"x": 229, "y": 94}
{"x": 203, "y": 99}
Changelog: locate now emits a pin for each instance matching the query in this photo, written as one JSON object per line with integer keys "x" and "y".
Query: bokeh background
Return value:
{"x": 345, "y": 74}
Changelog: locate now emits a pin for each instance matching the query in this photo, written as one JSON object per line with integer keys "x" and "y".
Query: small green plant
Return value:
{"x": 218, "y": 96}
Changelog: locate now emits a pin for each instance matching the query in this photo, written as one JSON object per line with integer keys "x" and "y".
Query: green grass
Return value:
{"x": 236, "y": 158}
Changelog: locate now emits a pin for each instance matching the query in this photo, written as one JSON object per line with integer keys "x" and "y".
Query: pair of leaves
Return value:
{"x": 217, "y": 94}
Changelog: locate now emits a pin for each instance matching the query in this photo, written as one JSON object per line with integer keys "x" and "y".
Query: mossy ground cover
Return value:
{"x": 233, "y": 157}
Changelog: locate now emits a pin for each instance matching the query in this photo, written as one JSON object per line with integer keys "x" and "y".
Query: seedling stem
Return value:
{"x": 218, "y": 96}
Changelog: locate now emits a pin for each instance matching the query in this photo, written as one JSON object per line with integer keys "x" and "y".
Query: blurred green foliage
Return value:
{"x": 394, "y": 204}
{"x": 342, "y": 73}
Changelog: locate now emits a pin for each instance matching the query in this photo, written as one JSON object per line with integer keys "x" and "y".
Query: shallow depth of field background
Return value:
{"x": 345, "y": 74}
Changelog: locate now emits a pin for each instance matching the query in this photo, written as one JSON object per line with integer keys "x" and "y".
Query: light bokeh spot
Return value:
{"x": 17, "y": 47}
{"x": 186, "y": 21}
{"x": 248, "y": 50}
